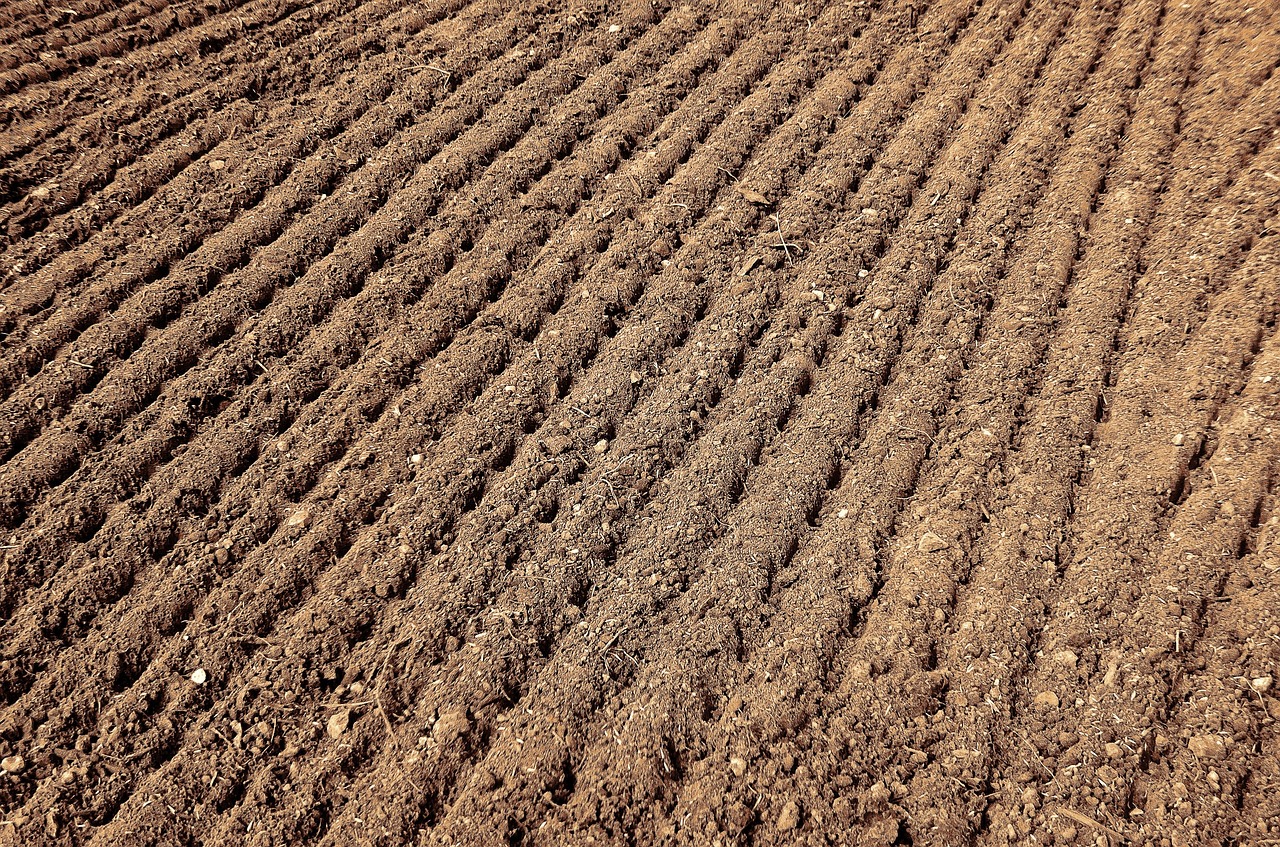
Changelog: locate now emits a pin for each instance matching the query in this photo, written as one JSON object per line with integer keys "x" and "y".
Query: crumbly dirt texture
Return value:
{"x": 637, "y": 422}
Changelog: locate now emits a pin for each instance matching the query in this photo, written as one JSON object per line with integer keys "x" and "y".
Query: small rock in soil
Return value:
{"x": 338, "y": 723}
{"x": 931, "y": 542}
{"x": 789, "y": 818}
{"x": 452, "y": 725}
{"x": 1207, "y": 746}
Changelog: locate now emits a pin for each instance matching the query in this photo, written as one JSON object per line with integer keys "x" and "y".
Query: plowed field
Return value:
{"x": 639, "y": 421}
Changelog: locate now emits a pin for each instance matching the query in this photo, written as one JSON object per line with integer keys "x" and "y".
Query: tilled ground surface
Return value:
{"x": 630, "y": 422}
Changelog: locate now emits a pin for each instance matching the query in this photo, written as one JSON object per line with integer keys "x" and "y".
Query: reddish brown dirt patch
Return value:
{"x": 634, "y": 422}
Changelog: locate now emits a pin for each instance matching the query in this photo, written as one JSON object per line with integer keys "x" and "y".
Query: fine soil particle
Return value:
{"x": 639, "y": 422}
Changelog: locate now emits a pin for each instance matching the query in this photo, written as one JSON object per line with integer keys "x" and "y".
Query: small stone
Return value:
{"x": 1207, "y": 746}
{"x": 13, "y": 764}
{"x": 602, "y": 446}
{"x": 299, "y": 518}
{"x": 199, "y": 676}
{"x": 753, "y": 196}
{"x": 843, "y": 513}
{"x": 1066, "y": 658}
{"x": 415, "y": 459}
{"x": 217, "y": 165}
{"x": 635, "y": 377}
{"x": 789, "y": 818}
{"x": 1178, "y": 439}
{"x": 738, "y": 766}
{"x": 614, "y": 28}
{"x": 1261, "y": 684}
{"x": 931, "y": 542}
{"x": 880, "y": 793}
{"x": 338, "y": 723}
{"x": 1047, "y": 700}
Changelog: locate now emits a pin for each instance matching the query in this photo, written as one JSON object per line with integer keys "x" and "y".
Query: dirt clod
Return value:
{"x": 789, "y": 817}
{"x": 931, "y": 542}
{"x": 1211, "y": 747}
{"x": 338, "y": 723}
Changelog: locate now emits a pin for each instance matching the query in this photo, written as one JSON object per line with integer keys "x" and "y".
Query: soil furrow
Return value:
{"x": 1120, "y": 685}
{"x": 133, "y": 171}
{"x": 528, "y": 165}
{"x": 307, "y": 262}
{"x": 1226, "y": 711}
{"x": 540, "y": 770}
{"x": 322, "y": 352}
{"x": 645, "y": 471}
{"x": 773, "y": 695}
{"x": 712, "y": 168}
{"x": 668, "y": 155}
{"x": 1013, "y": 594}
{"x": 17, "y": 53}
{"x": 56, "y": 76}
{"x": 764, "y": 722}
{"x": 470, "y": 421}
{"x": 31, "y": 17}
{"x": 68, "y": 59}
{"x": 42, "y": 146}
{"x": 251, "y": 205}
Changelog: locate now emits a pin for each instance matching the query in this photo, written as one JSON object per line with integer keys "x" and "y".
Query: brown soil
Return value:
{"x": 633, "y": 422}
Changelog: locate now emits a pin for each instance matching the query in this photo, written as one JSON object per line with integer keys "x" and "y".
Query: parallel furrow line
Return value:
{"x": 155, "y": 107}
{"x": 166, "y": 29}
{"x": 590, "y": 700}
{"x": 1121, "y": 688}
{"x": 74, "y": 291}
{"x": 648, "y": 432}
{"x": 839, "y": 563}
{"x": 790, "y": 627}
{"x": 133, "y": 15}
{"x": 132, "y": 171}
{"x": 699, "y": 181}
{"x": 305, "y": 260}
{"x": 1222, "y": 701}
{"x": 372, "y": 316}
